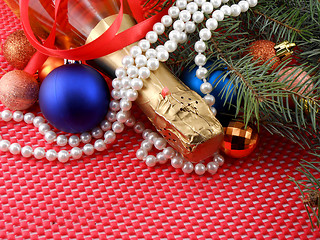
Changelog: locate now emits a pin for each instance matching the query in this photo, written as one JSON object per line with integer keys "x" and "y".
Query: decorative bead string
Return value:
{"x": 62, "y": 140}
{"x": 137, "y": 66}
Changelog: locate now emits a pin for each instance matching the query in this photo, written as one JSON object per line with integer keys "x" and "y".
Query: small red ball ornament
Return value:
{"x": 263, "y": 51}
{"x": 239, "y": 141}
{"x": 18, "y": 90}
{"x": 17, "y": 49}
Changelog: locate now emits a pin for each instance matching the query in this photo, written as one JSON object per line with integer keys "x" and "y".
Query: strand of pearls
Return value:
{"x": 62, "y": 140}
{"x": 137, "y": 66}
{"x": 143, "y": 59}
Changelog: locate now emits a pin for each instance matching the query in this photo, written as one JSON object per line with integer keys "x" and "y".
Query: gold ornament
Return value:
{"x": 50, "y": 64}
{"x": 309, "y": 105}
{"x": 239, "y": 141}
{"x": 284, "y": 50}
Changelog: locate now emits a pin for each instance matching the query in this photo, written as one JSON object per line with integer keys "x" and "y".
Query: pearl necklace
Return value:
{"x": 137, "y": 66}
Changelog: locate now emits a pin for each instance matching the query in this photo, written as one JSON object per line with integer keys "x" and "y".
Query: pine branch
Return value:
{"x": 260, "y": 93}
{"x": 309, "y": 187}
{"x": 264, "y": 96}
{"x": 310, "y": 53}
{"x": 153, "y": 7}
{"x": 278, "y": 22}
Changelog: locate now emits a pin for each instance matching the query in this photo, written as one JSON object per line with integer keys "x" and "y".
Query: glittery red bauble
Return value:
{"x": 239, "y": 141}
{"x": 294, "y": 77}
{"x": 18, "y": 90}
{"x": 17, "y": 49}
{"x": 263, "y": 51}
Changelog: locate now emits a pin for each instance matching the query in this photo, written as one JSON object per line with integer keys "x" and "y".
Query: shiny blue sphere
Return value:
{"x": 220, "y": 85}
{"x": 74, "y": 98}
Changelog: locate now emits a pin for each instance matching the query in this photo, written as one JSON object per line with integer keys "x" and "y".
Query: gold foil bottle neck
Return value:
{"x": 181, "y": 116}
{"x": 108, "y": 64}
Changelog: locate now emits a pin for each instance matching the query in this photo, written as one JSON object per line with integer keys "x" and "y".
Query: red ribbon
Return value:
{"x": 107, "y": 43}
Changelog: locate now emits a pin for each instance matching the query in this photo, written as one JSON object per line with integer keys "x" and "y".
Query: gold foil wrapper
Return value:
{"x": 108, "y": 64}
{"x": 181, "y": 116}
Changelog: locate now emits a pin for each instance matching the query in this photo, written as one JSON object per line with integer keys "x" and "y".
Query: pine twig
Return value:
{"x": 277, "y": 21}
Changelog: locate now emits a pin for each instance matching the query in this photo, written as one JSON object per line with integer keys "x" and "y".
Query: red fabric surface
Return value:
{"x": 114, "y": 195}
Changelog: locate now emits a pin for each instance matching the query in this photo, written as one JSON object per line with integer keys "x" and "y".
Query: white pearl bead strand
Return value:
{"x": 62, "y": 140}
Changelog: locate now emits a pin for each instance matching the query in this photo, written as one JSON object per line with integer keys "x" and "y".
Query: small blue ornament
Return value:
{"x": 74, "y": 98}
{"x": 220, "y": 87}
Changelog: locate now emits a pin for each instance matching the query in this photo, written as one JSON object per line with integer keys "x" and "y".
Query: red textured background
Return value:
{"x": 114, "y": 195}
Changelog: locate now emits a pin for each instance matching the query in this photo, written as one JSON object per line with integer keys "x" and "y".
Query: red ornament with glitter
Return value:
{"x": 17, "y": 50}
{"x": 265, "y": 51}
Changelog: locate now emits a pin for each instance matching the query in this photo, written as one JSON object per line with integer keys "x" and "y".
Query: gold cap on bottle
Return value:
{"x": 181, "y": 116}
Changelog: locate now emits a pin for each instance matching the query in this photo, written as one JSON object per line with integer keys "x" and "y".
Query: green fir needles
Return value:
{"x": 273, "y": 98}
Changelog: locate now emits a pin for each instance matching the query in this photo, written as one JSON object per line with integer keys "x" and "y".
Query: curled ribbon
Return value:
{"x": 109, "y": 39}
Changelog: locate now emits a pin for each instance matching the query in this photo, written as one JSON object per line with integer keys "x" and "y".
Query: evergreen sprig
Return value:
{"x": 309, "y": 187}
{"x": 265, "y": 96}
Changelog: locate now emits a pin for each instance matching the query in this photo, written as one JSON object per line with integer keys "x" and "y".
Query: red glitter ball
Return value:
{"x": 263, "y": 51}
{"x": 17, "y": 49}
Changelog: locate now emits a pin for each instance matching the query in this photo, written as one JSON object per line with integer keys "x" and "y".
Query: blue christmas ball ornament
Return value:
{"x": 74, "y": 98}
{"x": 221, "y": 86}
